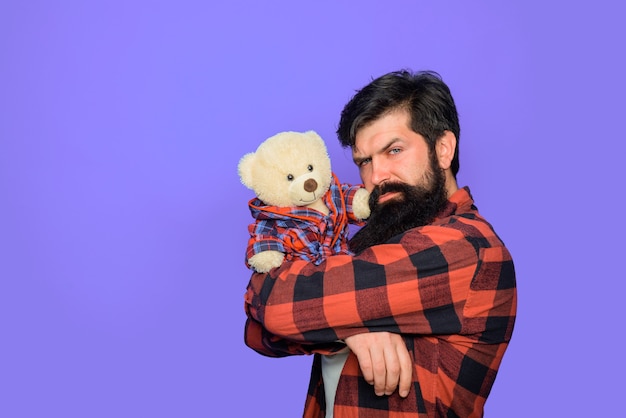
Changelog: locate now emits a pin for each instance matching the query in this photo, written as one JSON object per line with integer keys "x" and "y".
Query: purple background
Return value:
{"x": 123, "y": 221}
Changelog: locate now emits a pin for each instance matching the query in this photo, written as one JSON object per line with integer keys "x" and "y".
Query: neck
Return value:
{"x": 451, "y": 184}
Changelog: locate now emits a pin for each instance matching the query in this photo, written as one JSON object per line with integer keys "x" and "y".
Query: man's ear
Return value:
{"x": 446, "y": 147}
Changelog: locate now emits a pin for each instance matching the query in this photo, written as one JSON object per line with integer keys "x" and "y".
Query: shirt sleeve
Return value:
{"x": 418, "y": 285}
{"x": 264, "y": 342}
{"x": 348, "y": 192}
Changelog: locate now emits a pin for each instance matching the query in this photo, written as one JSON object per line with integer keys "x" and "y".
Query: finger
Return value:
{"x": 379, "y": 370}
{"x": 362, "y": 353}
{"x": 406, "y": 370}
{"x": 365, "y": 362}
{"x": 392, "y": 364}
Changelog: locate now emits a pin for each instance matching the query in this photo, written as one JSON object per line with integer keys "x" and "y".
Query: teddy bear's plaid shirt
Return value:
{"x": 304, "y": 233}
{"x": 449, "y": 288}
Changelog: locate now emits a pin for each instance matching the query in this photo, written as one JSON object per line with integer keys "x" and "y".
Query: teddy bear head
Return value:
{"x": 288, "y": 169}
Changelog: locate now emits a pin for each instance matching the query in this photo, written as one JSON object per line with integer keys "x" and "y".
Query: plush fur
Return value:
{"x": 292, "y": 169}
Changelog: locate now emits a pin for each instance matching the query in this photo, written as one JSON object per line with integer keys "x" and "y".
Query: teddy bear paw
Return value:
{"x": 266, "y": 260}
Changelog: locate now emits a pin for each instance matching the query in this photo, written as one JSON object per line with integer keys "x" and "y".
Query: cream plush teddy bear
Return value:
{"x": 300, "y": 209}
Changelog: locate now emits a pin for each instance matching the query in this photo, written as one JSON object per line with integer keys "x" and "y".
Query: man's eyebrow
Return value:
{"x": 381, "y": 150}
{"x": 359, "y": 160}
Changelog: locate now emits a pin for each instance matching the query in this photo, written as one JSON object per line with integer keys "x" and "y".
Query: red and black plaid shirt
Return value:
{"x": 449, "y": 289}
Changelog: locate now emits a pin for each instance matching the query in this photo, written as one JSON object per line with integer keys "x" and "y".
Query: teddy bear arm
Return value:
{"x": 360, "y": 204}
{"x": 266, "y": 260}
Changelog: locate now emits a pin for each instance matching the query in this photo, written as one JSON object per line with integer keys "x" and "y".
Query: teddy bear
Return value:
{"x": 301, "y": 210}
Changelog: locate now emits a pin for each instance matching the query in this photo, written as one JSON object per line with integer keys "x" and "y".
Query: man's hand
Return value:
{"x": 384, "y": 361}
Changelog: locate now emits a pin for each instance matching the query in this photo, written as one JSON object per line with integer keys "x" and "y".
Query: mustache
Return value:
{"x": 380, "y": 190}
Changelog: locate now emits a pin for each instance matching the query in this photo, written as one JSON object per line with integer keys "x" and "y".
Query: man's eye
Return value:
{"x": 364, "y": 162}
{"x": 394, "y": 150}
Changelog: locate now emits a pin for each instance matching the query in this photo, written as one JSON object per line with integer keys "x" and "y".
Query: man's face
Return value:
{"x": 387, "y": 150}
{"x": 407, "y": 184}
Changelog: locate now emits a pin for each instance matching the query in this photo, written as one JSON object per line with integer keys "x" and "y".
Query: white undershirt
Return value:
{"x": 331, "y": 370}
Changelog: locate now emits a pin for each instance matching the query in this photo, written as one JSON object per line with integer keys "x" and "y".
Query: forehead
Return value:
{"x": 389, "y": 128}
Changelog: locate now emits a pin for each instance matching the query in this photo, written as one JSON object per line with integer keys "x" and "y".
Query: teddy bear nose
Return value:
{"x": 310, "y": 185}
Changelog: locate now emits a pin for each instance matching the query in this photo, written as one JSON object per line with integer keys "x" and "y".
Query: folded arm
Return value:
{"x": 418, "y": 286}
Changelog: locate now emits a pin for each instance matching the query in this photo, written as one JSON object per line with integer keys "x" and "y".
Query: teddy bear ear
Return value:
{"x": 245, "y": 169}
{"x": 317, "y": 138}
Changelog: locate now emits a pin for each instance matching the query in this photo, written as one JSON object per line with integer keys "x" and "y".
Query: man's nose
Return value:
{"x": 380, "y": 173}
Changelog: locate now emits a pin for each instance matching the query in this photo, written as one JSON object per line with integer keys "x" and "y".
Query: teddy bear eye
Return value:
{"x": 290, "y": 177}
{"x": 310, "y": 167}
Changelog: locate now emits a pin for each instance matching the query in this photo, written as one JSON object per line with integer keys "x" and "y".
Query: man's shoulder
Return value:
{"x": 466, "y": 225}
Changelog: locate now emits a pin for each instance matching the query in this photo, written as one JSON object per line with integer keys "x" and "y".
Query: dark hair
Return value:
{"x": 423, "y": 94}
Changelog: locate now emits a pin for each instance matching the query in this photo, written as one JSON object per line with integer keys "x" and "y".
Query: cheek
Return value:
{"x": 415, "y": 173}
{"x": 366, "y": 178}
{"x": 407, "y": 174}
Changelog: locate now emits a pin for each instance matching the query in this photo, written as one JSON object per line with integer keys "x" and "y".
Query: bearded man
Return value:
{"x": 427, "y": 305}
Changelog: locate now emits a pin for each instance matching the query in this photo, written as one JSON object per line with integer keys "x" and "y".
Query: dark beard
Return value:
{"x": 417, "y": 206}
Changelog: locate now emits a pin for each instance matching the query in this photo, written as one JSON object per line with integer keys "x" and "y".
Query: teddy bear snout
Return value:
{"x": 310, "y": 185}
